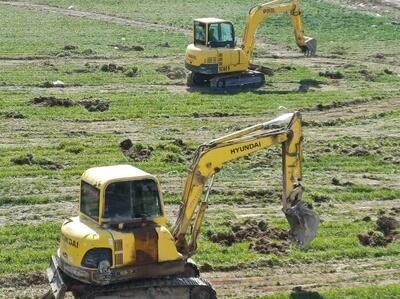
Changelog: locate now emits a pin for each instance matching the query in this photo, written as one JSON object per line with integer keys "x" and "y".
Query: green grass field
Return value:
{"x": 351, "y": 167}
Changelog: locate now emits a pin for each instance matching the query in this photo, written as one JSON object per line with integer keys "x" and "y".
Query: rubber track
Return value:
{"x": 95, "y": 291}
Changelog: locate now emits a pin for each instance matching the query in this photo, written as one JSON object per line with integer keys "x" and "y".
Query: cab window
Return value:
{"x": 132, "y": 199}
{"x": 221, "y": 35}
{"x": 89, "y": 204}
{"x": 199, "y": 33}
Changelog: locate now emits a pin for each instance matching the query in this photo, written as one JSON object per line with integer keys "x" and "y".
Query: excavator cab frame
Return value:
{"x": 214, "y": 33}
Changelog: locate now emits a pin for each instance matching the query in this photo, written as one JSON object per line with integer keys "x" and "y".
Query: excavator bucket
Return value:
{"x": 310, "y": 48}
{"x": 304, "y": 224}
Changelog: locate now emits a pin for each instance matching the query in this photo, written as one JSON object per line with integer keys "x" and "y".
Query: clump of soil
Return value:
{"x": 95, "y": 105}
{"x": 388, "y": 72}
{"x": 127, "y": 48}
{"x": 30, "y": 160}
{"x": 112, "y": 68}
{"x": 70, "y": 47}
{"x": 335, "y": 105}
{"x": 52, "y": 101}
{"x": 172, "y": 72}
{"x": 306, "y": 84}
{"x": 137, "y": 152}
{"x": 211, "y": 114}
{"x": 359, "y": 152}
{"x": 337, "y": 182}
{"x": 385, "y": 233}
{"x": 332, "y": 74}
{"x": 264, "y": 239}
{"x": 262, "y": 69}
{"x": 165, "y": 45}
{"x": 368, "y": 76}
{"x": 12, "y": 114}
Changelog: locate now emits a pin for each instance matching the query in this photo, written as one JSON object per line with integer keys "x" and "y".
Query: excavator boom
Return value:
{"x": 210, "y": 157}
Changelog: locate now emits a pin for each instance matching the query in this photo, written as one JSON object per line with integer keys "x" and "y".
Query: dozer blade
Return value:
{"x": 303, "y": 223}
{"x": 310, "y": 48}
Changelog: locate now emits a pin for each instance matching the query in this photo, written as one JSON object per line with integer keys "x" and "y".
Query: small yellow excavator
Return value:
{"x": 214, "y": 58}
{"x": 119, "y": 246}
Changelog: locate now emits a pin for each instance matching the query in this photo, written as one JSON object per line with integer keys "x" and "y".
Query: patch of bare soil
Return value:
{"x": 136, "y": 152}
{"x": 95, "y": 105}
{"x": 384, "y": 233}
{"x": 264, "y": 239}
{"x": 30, "y": 160}
{"x": 172, "y": 72}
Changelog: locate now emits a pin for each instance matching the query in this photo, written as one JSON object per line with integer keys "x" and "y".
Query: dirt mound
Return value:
{"x": 12, "y": 114}
{"x": 331, "y": 74}
{"x": 52, "y": 101}
{"x": 387, "y": 224}
{"x": 30, "y": 160}
{"x": 136, "y": 152}
{"x": 335, "y": 105}
{"x": 127, "y": 48}
{"x": 385, "y": 233}
{"x": 212, "y": 114}
{"x": 95, "y": 105}
{"x": 112, "y": 68}
{"x": 264, "y": 239}
{"x": 172, "y": 72}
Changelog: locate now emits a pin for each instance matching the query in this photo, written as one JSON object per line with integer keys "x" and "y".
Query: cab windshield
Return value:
{"x": 131, "y": 200}
{"x": 221, "y": 35}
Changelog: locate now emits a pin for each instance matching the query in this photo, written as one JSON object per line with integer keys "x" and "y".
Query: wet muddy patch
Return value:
{"x": 263, "y": 237}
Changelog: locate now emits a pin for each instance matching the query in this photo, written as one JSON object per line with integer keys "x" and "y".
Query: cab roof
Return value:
{"x": 210, "y": 20}
{"x": 100, "y": 176}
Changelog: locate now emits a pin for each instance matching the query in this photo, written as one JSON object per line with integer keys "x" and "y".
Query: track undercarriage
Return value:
{"x": 192, "y": 287}
{"x": 238, "y": 80}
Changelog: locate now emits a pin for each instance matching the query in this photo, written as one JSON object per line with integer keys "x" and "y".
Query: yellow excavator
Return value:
{"x": 214, "y": 58}
{"x": 119, "y": 244}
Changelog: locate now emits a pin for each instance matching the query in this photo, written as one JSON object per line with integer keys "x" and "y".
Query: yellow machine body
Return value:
{"x": 209, "y": 60}
{"x": 124, "y": 245}
{"x": 214, "y": 57}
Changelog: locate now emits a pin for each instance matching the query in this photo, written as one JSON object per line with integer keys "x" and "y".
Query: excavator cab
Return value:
{"x": 214, "y": 33}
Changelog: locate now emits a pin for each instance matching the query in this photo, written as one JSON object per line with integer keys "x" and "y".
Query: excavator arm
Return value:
{"x": 210, "y": 157}
{"x": 259, "y": 13}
